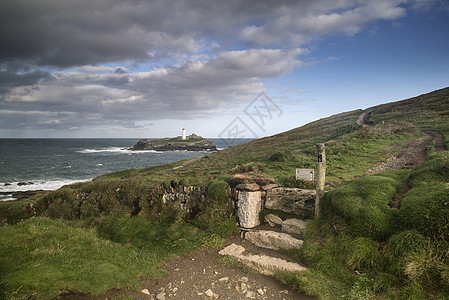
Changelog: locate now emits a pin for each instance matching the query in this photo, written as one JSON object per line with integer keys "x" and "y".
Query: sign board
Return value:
{"x": 305, "y": 174}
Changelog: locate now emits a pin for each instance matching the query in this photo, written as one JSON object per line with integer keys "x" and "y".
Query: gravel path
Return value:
{"x": 409, "y": 154}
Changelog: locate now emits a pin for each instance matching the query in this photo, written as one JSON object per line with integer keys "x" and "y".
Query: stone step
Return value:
{"x": 293, "y": 226}
{"x": 273, "y": 240}
{"x": 264, "y": 264}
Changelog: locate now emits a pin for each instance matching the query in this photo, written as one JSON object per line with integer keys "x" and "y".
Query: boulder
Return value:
{"x": 294, "y": 226}
{"x": 273, "y": 240}
{"x": 291, "y": 200}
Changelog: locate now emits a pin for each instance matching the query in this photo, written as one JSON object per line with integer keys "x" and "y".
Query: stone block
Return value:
{"x": 273, "y": 240}
{"x": 290, "y": 200}
{"x": 294, "y": 226}
{"x": 249, "y": 207}
{"x": 264, "y": 264}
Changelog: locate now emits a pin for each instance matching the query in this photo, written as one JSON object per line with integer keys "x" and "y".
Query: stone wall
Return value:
{"x": 187, "y": 197}
{"x": 263, "y": 193}
{"x": 248, "y": 195}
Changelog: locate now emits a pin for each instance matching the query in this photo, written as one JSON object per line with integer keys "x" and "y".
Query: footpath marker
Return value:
{"x": 305, "y": 174}
{"x": 321, "y": 176}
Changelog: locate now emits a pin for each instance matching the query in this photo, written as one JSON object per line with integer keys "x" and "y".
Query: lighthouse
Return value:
{"x": 183, "y": 137}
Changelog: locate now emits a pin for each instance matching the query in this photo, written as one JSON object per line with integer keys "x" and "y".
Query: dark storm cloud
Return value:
{"x": 51, "y": 55}
{"x": 74, "y": 33}
{"x": 12, "y": 79}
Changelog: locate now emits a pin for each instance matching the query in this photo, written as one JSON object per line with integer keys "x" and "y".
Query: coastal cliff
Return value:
{"x": 192, "y": 142}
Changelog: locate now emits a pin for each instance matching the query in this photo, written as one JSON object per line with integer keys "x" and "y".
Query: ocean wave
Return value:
{"x": 46, "y": 185}
{"x": 7, "y": 197}
{"x": 117, "y": 150}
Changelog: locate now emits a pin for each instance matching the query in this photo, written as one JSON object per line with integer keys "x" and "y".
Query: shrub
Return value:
{"x": 12, "y": 212}
{"x": 60, "y": 204}
{"x": 163, "y": 238}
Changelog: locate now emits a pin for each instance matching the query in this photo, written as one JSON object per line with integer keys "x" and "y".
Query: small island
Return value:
{"x": 192, "y": 142}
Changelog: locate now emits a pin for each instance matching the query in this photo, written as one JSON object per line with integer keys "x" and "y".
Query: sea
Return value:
{"x": 48, "y": 164}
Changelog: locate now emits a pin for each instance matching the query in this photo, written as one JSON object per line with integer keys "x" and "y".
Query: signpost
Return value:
{"x": 321, "y": 176}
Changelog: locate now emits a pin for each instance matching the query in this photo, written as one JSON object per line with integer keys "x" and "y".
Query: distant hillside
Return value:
{"x": 352, "y": 149}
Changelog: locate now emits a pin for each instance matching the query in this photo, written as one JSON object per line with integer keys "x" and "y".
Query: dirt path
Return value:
{"x": 409, "y": 154}
{"x": 363, "y": 119}
{"x": 202, "y": 276}
{"x": 439, "y": 140}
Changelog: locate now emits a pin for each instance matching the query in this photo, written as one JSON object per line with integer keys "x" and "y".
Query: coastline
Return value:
{"x": 29, "y": 165}
{"x": 19, "y": 190}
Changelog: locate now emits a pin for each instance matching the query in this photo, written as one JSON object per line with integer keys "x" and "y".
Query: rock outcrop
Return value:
{"x": 192, "y": 143}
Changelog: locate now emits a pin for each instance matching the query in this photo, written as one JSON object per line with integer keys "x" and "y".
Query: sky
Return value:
{"x": 223, "y": 69}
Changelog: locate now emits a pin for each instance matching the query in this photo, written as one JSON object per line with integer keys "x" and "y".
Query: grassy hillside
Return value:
{"x": 351, "y": 251}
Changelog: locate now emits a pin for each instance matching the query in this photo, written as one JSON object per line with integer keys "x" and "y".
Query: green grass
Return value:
{"x": 42, "y": 258}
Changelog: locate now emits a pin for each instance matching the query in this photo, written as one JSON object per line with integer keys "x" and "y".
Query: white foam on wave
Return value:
{"x": 115, "y": 150}
{"x": 8, "y": 197}
{"x": 46, "y": 185}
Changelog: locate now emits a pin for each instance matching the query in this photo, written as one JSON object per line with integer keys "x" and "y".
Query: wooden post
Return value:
{"x": 321, "y": 176}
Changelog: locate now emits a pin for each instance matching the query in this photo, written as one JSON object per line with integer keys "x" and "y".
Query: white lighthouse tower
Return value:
{"x": 183, "y": 137}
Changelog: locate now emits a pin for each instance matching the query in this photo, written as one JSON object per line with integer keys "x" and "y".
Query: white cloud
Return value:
{"x": 194, "y": 89}
{"x": 297, "y": 26}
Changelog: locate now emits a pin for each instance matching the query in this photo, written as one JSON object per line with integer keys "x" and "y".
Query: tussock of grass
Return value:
{"x": 362, "y": 204}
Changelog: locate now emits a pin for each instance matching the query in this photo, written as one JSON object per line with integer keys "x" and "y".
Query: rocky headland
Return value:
{"x": 192, "y": 142}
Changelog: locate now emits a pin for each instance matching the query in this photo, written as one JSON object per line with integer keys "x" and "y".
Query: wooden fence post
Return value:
{"x": 321, "y": 176}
